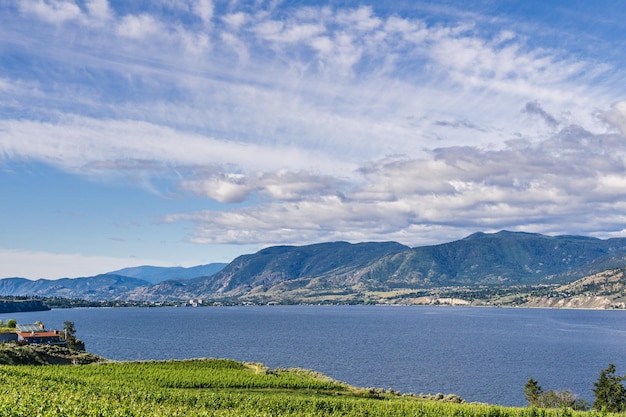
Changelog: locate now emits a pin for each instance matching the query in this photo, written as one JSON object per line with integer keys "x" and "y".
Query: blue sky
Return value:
{"x": 184, "y": 132}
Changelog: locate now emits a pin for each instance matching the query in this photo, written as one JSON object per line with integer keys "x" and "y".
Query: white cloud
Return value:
{"x": 361, "y": 19}
{"x": 329, "y": 123}
{"x": 281, "y": 185}
{"x": 225, "y": 188}
{"x": 289, "y": 32}
{"x": 59, "y": 12}
{"x": 238, "y": 46}
{"x": 571, "y": 181}
{"x": 235, "y": 20}
{"x": 117, "y": 147}
{"x": 53, "y": 11}
{"x": 138, "y": 27}
{"x": 99, "y": 10}
{"x": 616, "y": 116}
{"x": 204, "y": 9}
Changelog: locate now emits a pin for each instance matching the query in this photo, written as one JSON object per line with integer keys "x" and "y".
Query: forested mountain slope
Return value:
{"x": 299, "y": 273}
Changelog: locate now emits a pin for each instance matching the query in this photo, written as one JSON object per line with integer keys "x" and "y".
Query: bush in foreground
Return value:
{"x": 18, "y": 354}
{"x": 536, "y": 397}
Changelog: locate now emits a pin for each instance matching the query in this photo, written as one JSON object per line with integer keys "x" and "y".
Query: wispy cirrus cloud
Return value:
{"x": 322, "y": 122}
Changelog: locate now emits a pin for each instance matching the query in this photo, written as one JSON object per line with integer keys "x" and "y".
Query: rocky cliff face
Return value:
{"x": 590, "y": 302}
{"x": 606, "y": 289}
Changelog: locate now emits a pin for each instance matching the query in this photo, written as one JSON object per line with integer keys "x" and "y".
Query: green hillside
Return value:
{"x": 213, "y": 387}
{"x": 340, "y": 271}
{"x": 357, "y": 273}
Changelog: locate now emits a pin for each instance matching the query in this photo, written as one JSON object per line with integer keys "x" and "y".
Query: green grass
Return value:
{"x": 211, "y": 387}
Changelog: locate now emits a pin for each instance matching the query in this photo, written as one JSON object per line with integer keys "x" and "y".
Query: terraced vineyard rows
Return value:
{"x": 210, "y": 387}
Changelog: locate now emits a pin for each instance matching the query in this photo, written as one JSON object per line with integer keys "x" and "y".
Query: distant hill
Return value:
{"x": 100, "y": 287}
{"x": 117, "y": 285}
{"x": 156, "y": 274}
{"x": 333, "y": 270}
{"x": 274, "y": 266}
{"x": 503, "y": 258}
{"x": 606, "y": 289}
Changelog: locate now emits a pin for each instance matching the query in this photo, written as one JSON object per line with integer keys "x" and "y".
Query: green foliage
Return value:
{"x": 212, "y": 387}
{"x": 532, "y": 391}
{"x": 560, "y": 399}
{"x": 609, "y": 392}
{"x": 69, "y": 328}
{"x": 35, "y": 354}
{"x": 11, "y": 324}
{"x": 536, "y": 397}
{"x": 70, "y": 336}
{"x": 19, "y": 304}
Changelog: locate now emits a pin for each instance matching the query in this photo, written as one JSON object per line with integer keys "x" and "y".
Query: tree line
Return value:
{"x": 609, "y": 393}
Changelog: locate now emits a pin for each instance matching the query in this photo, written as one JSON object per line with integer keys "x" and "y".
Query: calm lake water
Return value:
{"x": 481, "y": 354}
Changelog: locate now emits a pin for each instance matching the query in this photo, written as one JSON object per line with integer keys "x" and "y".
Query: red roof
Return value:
{"x": 26, "y": 335}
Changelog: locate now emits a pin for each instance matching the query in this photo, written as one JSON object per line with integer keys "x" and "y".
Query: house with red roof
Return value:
{"x": 36, "y": 333}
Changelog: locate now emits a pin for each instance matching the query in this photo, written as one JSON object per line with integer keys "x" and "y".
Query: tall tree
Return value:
{"x": 609, "y": 392}
{"x": 70, "y": 332}
{"x": 532, "y": 391}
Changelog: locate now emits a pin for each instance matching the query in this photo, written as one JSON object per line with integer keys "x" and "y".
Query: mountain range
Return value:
{"x": 328, "y": 271}
{"x": 156, "y": 274}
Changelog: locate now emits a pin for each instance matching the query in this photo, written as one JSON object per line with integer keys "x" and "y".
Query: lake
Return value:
{"x": 481, "y": 354}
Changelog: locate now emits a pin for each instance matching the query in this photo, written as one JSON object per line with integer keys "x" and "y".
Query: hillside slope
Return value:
{"x": 278, "y": 265}
{"x": 503, "y": 258}
{"x": 300, "y": 273}
{"x": 100, "y": 287}
{"x": 327, "y": 271}
{"x": 606, "y": 289}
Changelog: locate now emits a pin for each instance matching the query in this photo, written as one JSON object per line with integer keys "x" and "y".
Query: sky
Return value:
{"x": 186, "y": 132}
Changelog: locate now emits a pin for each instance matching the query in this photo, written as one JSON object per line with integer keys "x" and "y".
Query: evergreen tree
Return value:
{"x": 70, "y": 329}
{"x": 532, "y": 391}
{"x": 70, "y": 332}
{"x": 609, "y": 392}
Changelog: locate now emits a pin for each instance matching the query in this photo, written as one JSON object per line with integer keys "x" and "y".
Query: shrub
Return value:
{"x": 536, "y": 397}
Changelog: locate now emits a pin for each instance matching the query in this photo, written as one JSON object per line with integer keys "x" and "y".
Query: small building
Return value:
{"x": 35, "y": 333}
{"x": 53, "y": 337}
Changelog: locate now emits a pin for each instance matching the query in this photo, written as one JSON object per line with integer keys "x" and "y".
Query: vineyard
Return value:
{"x": 211, "y": 387}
